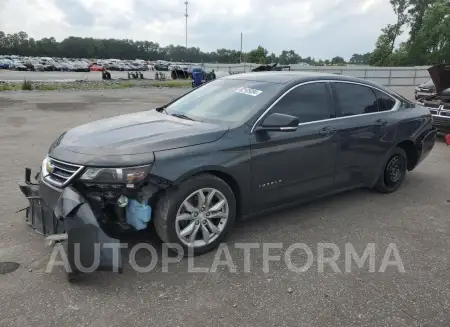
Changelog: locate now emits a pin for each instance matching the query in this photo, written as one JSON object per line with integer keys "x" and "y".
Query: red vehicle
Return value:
{"x": 96, "y": 68}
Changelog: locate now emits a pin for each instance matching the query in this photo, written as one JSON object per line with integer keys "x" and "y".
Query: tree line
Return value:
{"x": 79, "y": 47}
{"x": 428, "y": 43}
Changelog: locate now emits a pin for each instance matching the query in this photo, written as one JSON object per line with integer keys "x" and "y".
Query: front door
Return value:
{"x": 290, "y": 165}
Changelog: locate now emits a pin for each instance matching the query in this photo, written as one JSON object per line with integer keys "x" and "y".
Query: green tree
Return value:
{"x": 289, "y": 57}
{"x": 431, "y": 43}
{"x": 360, "y": 59}
{"x": 338, "y": 61}
{"x": 384, "y": 47}
{"x": 258, "y": 56}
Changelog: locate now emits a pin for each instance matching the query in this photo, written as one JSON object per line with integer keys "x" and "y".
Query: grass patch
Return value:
{"x": 173, "y": 83}
{"x": 47, "y": 87}
{"x": 27, "y": 86}
{"x": 9, "y": 87}
{"x": 100, "y": 85}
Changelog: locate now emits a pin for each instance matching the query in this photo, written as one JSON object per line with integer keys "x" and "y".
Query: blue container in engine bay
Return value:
{"x": 138, "y": 214}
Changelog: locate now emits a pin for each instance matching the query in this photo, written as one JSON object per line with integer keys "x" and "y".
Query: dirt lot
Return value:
{"x": 415, "y": 218}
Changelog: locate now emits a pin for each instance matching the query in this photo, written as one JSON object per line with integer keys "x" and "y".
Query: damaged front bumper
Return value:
{"x": 63, "y": 214}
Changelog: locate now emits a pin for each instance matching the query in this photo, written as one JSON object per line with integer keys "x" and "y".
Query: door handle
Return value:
{"x": 381, "y": 122}
{"x": 327, "y": 131}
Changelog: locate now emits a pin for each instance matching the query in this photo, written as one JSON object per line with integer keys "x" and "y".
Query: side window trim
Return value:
{"x": 332, "y": 97}
{"x": 331, "y": 101}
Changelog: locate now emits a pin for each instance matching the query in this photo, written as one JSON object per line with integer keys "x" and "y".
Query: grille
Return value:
{"x": 441, "y": 121}
{"x": 62, "y": 173}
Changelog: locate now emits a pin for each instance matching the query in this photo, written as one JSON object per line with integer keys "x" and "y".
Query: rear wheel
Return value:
{"x": 394, "y": 172}
{"x": 197, "y": 215}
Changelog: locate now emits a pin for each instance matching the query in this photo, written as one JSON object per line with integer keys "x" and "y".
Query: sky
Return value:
{"x": 317, "y": 28}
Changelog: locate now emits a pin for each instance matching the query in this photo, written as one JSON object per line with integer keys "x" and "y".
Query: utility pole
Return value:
{"x": 240, "y": 55}
{"x": 186, "y": 15}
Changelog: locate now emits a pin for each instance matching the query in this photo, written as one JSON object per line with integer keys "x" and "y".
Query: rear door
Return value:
{"x": 363, "y": 132}
{"x": 288, "y": 166}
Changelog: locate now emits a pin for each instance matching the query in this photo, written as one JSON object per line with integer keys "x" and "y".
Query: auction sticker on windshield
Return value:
{"x": 248, "y": 91}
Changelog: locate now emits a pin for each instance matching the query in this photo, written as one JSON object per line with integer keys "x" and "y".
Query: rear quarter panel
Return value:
{"x": 411, "y": 125}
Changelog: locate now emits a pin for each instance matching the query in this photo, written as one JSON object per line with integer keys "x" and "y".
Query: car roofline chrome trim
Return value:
{"x": 395, "y": 108}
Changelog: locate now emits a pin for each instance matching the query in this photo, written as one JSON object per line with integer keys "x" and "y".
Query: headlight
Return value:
{"x": 46, "y": 167}
{"x": 128, "y": 175}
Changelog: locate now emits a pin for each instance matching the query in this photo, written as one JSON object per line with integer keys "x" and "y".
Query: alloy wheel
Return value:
{"x": 202, "y": 217}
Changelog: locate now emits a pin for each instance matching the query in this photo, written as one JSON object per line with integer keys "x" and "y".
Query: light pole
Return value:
{"x": 186, "y": 15}
{"x": 240, "y": 55}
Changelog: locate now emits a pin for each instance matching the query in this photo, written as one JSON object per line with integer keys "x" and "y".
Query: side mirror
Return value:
{"x": 279, "y": 123}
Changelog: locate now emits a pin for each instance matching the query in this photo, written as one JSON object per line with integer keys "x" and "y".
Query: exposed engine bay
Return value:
{"x": 439, "y": 102}
{"x": 440, "y": 75}
{"x": 93, "y": 211}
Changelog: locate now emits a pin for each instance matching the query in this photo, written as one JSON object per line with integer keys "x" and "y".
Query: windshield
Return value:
{"x": 224, "y": 100}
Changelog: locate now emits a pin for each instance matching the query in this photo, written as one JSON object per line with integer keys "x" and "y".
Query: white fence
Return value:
{"x": 388, "y": 76}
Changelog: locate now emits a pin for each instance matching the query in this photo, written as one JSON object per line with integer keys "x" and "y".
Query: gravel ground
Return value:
{"x": 415, "y": 218}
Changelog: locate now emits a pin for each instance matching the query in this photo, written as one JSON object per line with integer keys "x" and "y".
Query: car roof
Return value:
{"x": 294, "y": 77}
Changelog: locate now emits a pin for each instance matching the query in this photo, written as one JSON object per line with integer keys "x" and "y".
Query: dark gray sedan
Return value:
{"x": 234, "y": 147}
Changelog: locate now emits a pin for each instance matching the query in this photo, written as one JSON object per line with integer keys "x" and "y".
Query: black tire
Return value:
{"x": 392, "y": 178}
{"x": 169, "y": 203}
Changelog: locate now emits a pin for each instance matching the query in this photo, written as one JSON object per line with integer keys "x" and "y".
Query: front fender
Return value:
{"x": 229, "y": 156}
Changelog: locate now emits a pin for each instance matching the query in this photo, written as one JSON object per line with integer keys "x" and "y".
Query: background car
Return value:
{"x": 96, "y": 68}
{"x": 20, "y": 66}
{"x": 67, "y": 67}
{"x": 424, "y": 89}
{"x": 5, "y": 63}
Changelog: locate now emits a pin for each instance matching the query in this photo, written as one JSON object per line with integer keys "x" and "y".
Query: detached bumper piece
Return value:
{"x": 38, "y": 215}
{"x": 65, "y": 215}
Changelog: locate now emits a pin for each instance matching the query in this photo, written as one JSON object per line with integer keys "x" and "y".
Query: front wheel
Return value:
{"x": 394, "y": 172}
{"x": 197, "y": 215}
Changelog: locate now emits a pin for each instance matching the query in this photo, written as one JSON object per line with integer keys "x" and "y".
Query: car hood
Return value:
{"x": 440, "y": 75}
{"x": 131, "y": 138}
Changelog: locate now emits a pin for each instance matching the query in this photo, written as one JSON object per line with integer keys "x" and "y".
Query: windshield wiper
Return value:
{"x": 182, "y": 116}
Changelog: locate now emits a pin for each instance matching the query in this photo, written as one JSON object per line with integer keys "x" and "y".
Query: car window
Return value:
{"x": 225, "y": 100}
{"x": 354, "y": 99}
{"x": 385, "y": 102}
{"x": 308, "y": 102}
